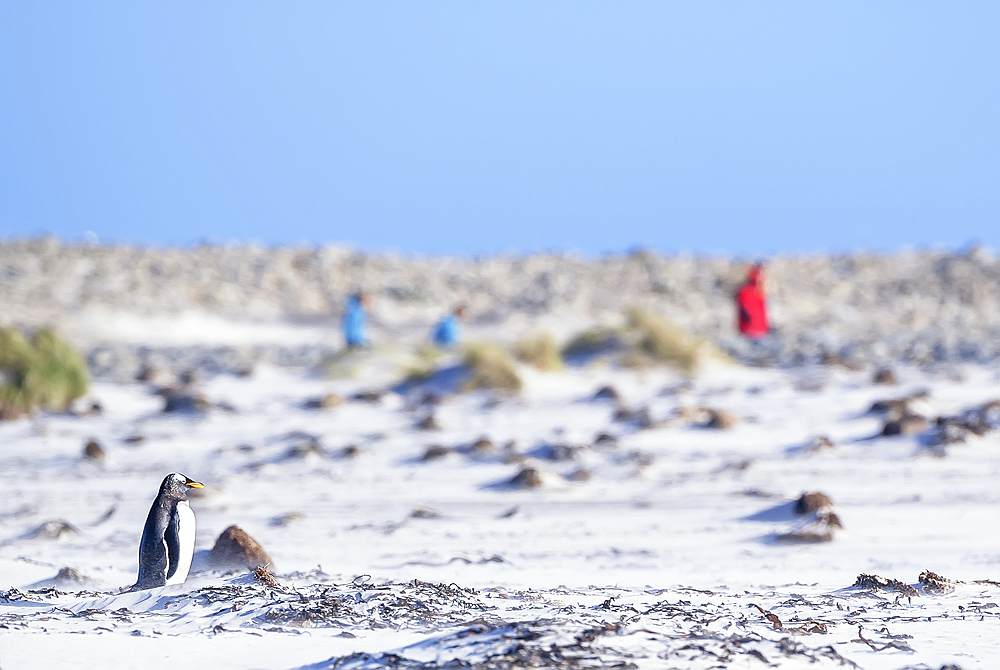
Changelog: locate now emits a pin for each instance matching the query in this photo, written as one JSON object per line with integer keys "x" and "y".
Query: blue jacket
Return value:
{"x": 446, "y": 332}
{"x": 355, "y": 323}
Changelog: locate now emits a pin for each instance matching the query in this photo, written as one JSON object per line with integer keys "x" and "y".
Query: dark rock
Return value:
{"x": 350, "y": 451}
{"x": 235, "y": 549}
{"x": 434, "y": 452}
{"x": 885, "y": 376}
{"x": 910, "y": 424}
{"x": 527, "y": 478}
{"x": 812, "y": 502}
{"x": 185, "y": 402}
{"x": 579, "y": 475}
{"x": 308, "y": 447}
{"x": 189, "y": 377}
{"x": 720, "y": 419}
{"x": 147, "y": 373}
{"x": 67, "y": 576}
{"x": 92, "y": 450}
{"x": 286, "y": 519}
{"x": 134, "y": 438}
{"x": 555, "y": 452}
{"x": 52, "y": 529}
{"x": 482, "y": 446}
{"x": 428, "y": 423}
{"x": 425, "y": 513}
{"x": 429, "y": 398}
{"x": 605, "y": 440}
{"x": 367, "y": 396}
{"x": 641, "y": 417}
{"x": 606, "y": 393}
{"x": 329, "y": 401}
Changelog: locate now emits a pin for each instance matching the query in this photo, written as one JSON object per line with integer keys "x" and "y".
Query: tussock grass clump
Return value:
{"x": 41, "y": 372}
{"x": 490, "y": 368}
{"x": 540, "y": 352}
{"x": 593, "y": 341}
{"x": 667, "y": 342}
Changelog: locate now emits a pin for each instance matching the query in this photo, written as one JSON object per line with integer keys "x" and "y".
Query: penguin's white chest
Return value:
{"x": 184, "y": 518}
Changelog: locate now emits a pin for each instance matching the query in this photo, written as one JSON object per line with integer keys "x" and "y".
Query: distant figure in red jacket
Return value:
{"x": 750, "y": 306}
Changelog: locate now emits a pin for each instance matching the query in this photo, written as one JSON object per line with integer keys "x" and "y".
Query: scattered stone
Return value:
{"x": 910, "y": 424}
{"x": 819, "y": 528}
{"x": 812, "y": 502}
{"x": 605, "y": 440}
{"x": 176, "y": 401}
{"x": 506, "y": 514}
{"x": 235, "y": 549}
{"x": 93, "y": 451}
{"x": 134, "y": 438}
{"x": 434, "y": 452}
{"x": 719, "y": 419}
{"x": 286, "y": 519}
{"x": 52, "y": 529}
{"x": 329, "y": 401}
{"x": 429, "y": 399}
{"x": 898, "y": 406}
{"x": 425, "y": 513}
{"x": 527, "y": 478}
{"x": 579, "y": 475}
{"x": 818, "y": 443}
{"x": 641, "y": 417}
{"x": 876, "y": 583}
{"x": 885, "y": 376}
{"x": 189, "y": 377}
{"x": 429, "y": 422}
{"x": 227, "y": 407}
{"x": 555, "y": 452}
{"x": 935, "y": 584}
{"x": 367, "y": 396}
{"x": 483, "y": 446}
{"x": 308, "y": 447}
{"x": 607, "y": 393}
{"x": 350, "y": 451}
{"x": 67, "y": 576}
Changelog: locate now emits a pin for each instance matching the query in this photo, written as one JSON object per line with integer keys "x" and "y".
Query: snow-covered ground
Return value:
{"x": 656, "y": 545}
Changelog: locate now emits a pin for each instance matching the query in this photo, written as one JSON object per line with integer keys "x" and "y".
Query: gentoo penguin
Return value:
{"x": 167, "y": 543}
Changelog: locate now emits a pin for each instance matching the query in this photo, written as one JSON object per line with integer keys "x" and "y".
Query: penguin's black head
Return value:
{"x": 176, "y": 485}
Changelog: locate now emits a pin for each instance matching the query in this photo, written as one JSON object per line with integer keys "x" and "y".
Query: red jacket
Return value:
{"x": 751, "y": 309}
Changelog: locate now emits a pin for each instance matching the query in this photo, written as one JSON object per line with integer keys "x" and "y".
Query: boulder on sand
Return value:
{"x": 235, "y": 549}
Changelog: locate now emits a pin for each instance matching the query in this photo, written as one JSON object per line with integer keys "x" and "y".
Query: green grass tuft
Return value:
{"x": 490, "y": 368}
{"x": 43, "y": 372}
{"x": 540, "y": 352}
{"x": 666, "y": 342}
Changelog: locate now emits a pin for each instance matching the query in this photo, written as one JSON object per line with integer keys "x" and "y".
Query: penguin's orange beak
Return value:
{"x": 195, "y": 485}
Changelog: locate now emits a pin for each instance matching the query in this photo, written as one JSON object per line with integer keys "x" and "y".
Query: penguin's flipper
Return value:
{"x": 173, "y": 542}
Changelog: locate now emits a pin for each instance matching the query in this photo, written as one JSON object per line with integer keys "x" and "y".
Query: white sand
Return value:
{"x": 664, "y": 512}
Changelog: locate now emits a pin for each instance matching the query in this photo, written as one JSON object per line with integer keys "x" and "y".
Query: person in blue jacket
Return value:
{"x": 447, "y": 331}
{"x": 356, "y": 321}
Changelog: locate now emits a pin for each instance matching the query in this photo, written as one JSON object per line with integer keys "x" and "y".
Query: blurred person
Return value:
{"x": 751, "y": 305}
{"x": 356, "y": 321}
{"x": 447, "y": 331}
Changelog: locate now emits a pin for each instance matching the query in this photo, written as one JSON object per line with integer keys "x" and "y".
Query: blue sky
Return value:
{"x": 745, "y": 128}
